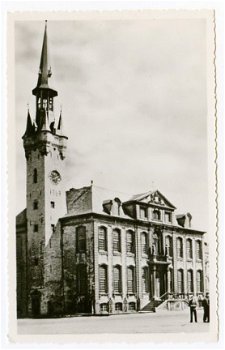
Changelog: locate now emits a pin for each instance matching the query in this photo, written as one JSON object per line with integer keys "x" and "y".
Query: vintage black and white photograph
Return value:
{"x": 114, "y": 162}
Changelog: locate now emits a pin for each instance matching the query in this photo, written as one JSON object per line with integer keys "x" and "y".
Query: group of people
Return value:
{"x": 193, "y": 303}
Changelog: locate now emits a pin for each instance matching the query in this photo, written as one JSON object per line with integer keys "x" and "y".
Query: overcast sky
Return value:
{"x": 133, "y": 95}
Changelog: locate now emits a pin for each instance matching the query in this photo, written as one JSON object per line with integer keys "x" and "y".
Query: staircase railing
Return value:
{"x": 165, "y": 296}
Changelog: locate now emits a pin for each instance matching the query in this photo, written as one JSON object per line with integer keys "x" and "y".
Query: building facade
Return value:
{"x": 85, "y": 251}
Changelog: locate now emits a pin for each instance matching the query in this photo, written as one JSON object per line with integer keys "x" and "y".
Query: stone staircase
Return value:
{"x": 152, "y": 305}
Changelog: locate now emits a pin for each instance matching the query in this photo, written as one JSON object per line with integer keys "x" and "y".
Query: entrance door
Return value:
{"x": 36, "y": 305}
{"x": 157, "y": 285}
{"x": 160, "y": 283}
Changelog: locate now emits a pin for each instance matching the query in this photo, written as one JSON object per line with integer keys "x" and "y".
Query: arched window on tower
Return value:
{"x": 81, "y": 239}
{"x": 35, "y": 204}
{"x": 35, "y": 176}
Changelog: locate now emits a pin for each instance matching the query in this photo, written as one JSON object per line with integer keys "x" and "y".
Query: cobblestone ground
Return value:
{"x": 160, "y": 322}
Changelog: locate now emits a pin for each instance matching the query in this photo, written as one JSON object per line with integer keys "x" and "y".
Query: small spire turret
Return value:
{"x": 60, "y": 124}
{"x": 30, "y": 128}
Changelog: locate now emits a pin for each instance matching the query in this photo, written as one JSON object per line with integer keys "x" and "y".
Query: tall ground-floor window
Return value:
{"x": 145, "y": 280}
{"x": 117, "y": 280}
{"x": 199, "y": 276}
{"x": 170, "y": 281}
{"x": 190, "y": 281}
{"x": 169, "y": 245}
{"x": 103, "y": 279}
{"x": 180, "y": 281}
{"x": 144, "y": 243}
{"x": 130, "y": 280}
{"x": 81, "y": 279}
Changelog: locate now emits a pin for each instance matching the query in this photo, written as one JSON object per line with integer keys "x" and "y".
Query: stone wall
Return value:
{"x": 73, "y": 260}
{"x": 79, "y": 200}
{"x": 21, "y": 271}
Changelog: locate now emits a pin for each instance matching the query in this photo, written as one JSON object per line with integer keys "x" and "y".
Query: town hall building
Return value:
{"x": 80, "y": 251}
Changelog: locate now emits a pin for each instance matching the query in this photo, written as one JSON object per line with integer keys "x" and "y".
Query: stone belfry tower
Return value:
{"x": 45, "y": 146}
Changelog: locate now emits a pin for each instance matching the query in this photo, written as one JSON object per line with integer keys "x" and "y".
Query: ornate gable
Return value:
{"x": 154, "y": 197}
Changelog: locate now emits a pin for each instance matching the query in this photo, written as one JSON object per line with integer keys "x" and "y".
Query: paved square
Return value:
{"x": 160, "y": 322}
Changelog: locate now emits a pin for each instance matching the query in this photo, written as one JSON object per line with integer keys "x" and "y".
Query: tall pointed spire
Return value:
{"x": 44, "y": 68}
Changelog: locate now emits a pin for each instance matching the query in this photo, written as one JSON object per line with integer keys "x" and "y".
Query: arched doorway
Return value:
{"x": 36, "y": 303}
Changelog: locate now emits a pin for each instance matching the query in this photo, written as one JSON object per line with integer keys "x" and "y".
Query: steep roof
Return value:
{"x": 21, "y": 218}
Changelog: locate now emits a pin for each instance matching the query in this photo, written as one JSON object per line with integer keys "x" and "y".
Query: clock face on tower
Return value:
{"x": 55, "y": 177}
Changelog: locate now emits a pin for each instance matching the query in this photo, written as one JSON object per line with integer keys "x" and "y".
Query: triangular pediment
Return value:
{"x": 153, "y": 197}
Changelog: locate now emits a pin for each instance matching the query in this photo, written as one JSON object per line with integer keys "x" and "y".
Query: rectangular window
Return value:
{"x": 144, "y": 243}
{"x": 116, "y": 241}
{"x": 189, "y": 248}
{"x": 103, "y": 279}
{"x": 130, "y": 280}
{"x": 179, "y": 247}
{"x": 168, "y": 217}
{"x": 35, "y": 227}
{"x": 198, "y": 250}
{"x": 102, "y": 240}
{"x": 169, "y": 246}
{"x": 143, "y": 213}
{"x": 130, "y": 242}
{"x": 52, "y": 204}
{"x": 104, "y": 307}
{"x": 156, "y": 214}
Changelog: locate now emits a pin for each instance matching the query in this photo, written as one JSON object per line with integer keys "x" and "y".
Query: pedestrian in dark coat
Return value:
{"x": 193, "y": 308}
{"x": 205, "y": 304}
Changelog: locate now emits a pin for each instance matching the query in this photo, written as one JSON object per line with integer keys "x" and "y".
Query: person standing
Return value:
{"x": 205, "y": 304}
{"x": 193, "y": 308}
